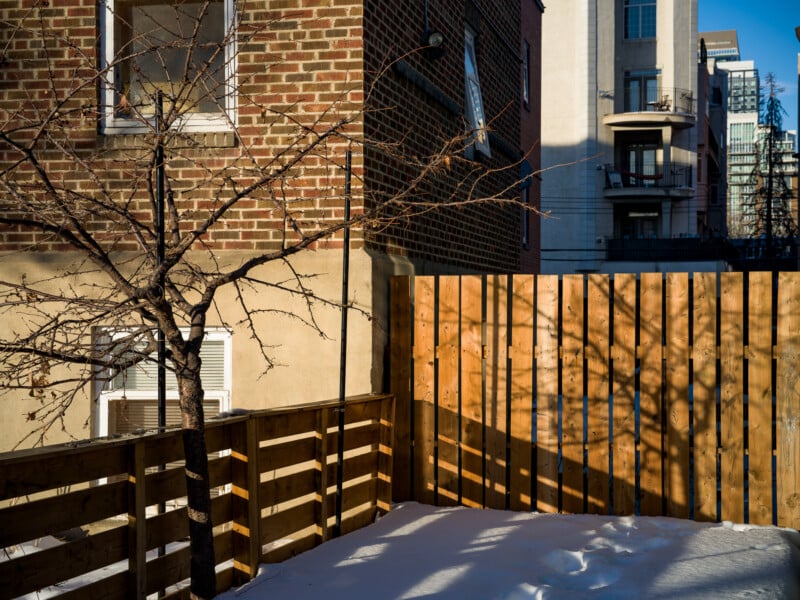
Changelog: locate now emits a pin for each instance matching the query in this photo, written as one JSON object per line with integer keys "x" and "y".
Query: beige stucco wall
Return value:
{"x": 306, "y": 363}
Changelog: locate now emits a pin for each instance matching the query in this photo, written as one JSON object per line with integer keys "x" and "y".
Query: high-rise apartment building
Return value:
{"x": 619, "y": 137}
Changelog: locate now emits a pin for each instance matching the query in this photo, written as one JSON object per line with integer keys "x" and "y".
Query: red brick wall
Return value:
{"x": 531, "y": 126}
{"x": 299, "y": 61}
{"x": 480, "y": 237}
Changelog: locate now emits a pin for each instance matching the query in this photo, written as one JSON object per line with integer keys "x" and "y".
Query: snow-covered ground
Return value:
{"x": 419, "y": 551}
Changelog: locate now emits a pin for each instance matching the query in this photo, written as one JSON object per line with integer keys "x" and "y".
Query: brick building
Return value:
{"x": 263, "y": 100}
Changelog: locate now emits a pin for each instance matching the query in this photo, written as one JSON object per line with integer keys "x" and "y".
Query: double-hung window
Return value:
{"x": 640, "y": 19}
{"x": 184, "y": 49}
{"x": 476, "y": 117}
{"x": 129, "y": 401}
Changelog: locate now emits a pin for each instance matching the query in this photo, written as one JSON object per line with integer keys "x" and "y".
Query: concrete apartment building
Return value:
{"x": 619, "y": 137}
{"x": 310, "y": 63}
{"x": 746, "y": 141}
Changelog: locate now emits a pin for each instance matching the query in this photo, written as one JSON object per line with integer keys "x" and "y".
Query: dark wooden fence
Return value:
{"x": 275, "y": 475}
{"x": 656, "y": 394}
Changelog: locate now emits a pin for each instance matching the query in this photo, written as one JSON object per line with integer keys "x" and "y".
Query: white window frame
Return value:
{"x": 104, "y": 396}
{"x": 476, "y": 116}
{"x": 112, "y": 123}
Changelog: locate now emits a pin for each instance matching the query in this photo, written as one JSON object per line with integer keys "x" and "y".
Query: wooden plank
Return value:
{"x": 677, "y": 394}
{"x": 651, "y": 424}
{"x": 31, "y": 520}
{"x": 321, "y": 476}
{"x": 623, "y": 391}
{"x": 572, "y": 360}
{"x": 731, "y": 353}
{"x": 547, "y": 327}
{"x": 496, "y": 390}
{"x": 137, "y": 522}
{"x": 49, "y": 566}
{"x": 759, "y": 398}
{"x": 59, "y": 468}
{"x": 423, "y": 399}
{"x": 245, "y": 504}
{"x": 472, "y": 391}
{"x": 448, "y": 433}
{"x": 386, "y": 462}
{"x": 787, "y": 388}
{"x": 400, "y": 383}
{"x": 521, "y": 351}
{"x": 704, "y": 359}
{"x": 598, "y": 381}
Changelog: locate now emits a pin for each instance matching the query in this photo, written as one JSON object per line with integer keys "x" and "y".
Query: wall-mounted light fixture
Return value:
{"x": 432, "y": 39}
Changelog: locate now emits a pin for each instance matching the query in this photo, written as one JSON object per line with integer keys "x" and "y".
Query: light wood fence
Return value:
{"x": 656, "y": 394}
{"x": 275, "y": 475}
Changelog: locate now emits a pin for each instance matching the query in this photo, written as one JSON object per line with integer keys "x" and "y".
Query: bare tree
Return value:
{"x": 69, "y": 185}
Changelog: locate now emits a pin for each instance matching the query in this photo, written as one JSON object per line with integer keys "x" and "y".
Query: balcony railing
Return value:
{"x": 661, "y": 100}
{"x": 669, "y": 177}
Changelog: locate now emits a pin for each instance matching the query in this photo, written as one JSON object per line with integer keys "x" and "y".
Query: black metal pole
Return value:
{"x": 343, "y": 346}
{"x": 161, "y": 342}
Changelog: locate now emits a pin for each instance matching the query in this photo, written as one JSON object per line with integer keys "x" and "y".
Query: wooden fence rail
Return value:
{"x": 656, "y": 394}
{"x": 274, "y": 474}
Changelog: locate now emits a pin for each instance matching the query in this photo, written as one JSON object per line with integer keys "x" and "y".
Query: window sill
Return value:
{"x": 190, "y": 139}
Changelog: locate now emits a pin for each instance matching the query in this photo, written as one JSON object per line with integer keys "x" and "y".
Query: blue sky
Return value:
{"x": 766, "y": 35}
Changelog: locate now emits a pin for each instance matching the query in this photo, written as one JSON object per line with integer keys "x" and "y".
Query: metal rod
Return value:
{"x": 162, "y": 374}
{"x": 343, "y": 346}
{"x": 160, "y": 341}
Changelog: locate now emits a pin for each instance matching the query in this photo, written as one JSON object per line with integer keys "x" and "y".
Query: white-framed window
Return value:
{"x": 186, "y": 49}
{"x": 129, "y": 401}
{"x": 640, "y": 19}
{"x": 476, "y": 117}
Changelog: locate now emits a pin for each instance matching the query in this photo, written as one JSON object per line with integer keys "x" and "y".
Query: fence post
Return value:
{"x": 321, "y": 451}
{"x": 400, "y": 353}
{"x": 385, "y": 455}
{"x": 245, "y": 505}
{"x": 137, "y": 521}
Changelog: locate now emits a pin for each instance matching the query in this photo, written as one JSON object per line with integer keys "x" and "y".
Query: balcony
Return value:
{"x": 650, "y": 107}
{"x": 671, "y": 181}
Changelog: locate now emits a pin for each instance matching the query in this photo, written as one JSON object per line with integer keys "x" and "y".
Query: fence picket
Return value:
{"x": 547, "y": 359}
{"x": 598, "y": 381}
{"x": 424, "y": 387}
{"x": 651, "y": 407}
{"x": 759, "y": 395}
{"x": 572, "y": 344}
{"x": 732, "y": 397}
{"x": 677, "y": 394}
{"x": 704, "y": 424}
{"x": 472, "y": 397}
{"x": 624, "y": 394}
{"x": 521, "y": 351}
{"x": 788, "y": 400}
{"x": 448, "y": 428}
{"x": 496, "y": 389}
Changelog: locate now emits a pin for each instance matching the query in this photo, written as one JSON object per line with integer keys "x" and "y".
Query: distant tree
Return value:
{"x": 772, "y": 197}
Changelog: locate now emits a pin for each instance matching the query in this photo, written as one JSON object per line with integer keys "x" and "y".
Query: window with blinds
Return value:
{"x": 129, "y": 401}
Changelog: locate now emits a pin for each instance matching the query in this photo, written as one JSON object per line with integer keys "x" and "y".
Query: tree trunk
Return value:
{"x": 201, "y": 538}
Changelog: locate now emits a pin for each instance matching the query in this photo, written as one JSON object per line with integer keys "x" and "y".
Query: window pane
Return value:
{"x": 174, "y": 47}
{"x": 648, "y": 23}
